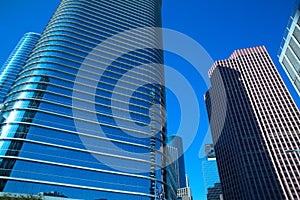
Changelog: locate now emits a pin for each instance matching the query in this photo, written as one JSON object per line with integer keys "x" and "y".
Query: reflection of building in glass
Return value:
{"x": 289, "y": 55}
{"x": 16, "y": 133}
{"x": 215, "y": 192}
{"x": 53, "y": 194}
{"x": 209, "y": 168}
{"x": 16, "y": 60}
{"x": 185, "y": 193}
{"x": 261, "y": 123}
{"x": 66, "y": 124}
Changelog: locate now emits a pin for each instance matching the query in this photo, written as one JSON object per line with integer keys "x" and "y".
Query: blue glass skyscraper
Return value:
{"x": 16, "y": 60}
{"x": 176, "y": 141}
{"x": 85, "y": 117}
{"x": 289, "y": 54}
{"x": 209, "y": 168}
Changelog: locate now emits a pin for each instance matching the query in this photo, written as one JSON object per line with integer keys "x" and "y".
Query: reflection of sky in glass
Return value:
{"x": 15, "y": 62}
{"x": 56, "y": 154}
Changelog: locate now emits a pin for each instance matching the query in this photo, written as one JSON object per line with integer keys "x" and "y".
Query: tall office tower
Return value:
{"x": 185, "y": 193}
{"x": 260, "y": 127}
{"x": 16, "y": 60}
{"x": 172, "y": 168}
{"x": 210, "y": 152}
{"x": 215, "y": 192}
{"x": 176, "y": 141}
{"x": 289, "y": 54}
{"x": 85, "y": 117}
{"x": 209, "y": 168}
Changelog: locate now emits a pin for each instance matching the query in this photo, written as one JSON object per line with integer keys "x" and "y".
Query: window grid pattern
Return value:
{"x": 262, "y": 122}
{"x": 289, "y": 55}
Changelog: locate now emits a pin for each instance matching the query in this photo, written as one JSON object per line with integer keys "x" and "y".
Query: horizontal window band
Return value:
{"x": 82, "y": 168}
{"x": 74, "y": 186}
{"x": 73, "y": 98}
{"x": 85, "y": 151}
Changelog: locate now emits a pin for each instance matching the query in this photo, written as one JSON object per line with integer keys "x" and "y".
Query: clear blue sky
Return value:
{"x": 219, "y": 26}
{"x": 222, "y": 27}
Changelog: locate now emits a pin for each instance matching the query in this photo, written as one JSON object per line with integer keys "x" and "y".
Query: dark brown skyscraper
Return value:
{"x": 257, "y": 139}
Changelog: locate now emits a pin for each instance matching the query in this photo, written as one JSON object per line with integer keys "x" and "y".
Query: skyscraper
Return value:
{"x": 215, "y": 192}
{"x": 172, "y": 168}
{"x": 16, "y": 60}
{"x": 209, "y": 168}
{"x": 289, "y": 55}
{"x": 85, "y": 117}
{"x": 257, "y": 142}
{"x": 210, "y": 152}
{"x": 176, "y": 141}
{"x": 185, "y": 193}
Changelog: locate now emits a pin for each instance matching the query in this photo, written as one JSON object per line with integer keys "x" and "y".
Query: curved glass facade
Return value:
{"x": 15, "y": 62}
{"x": 83, "y": 120}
